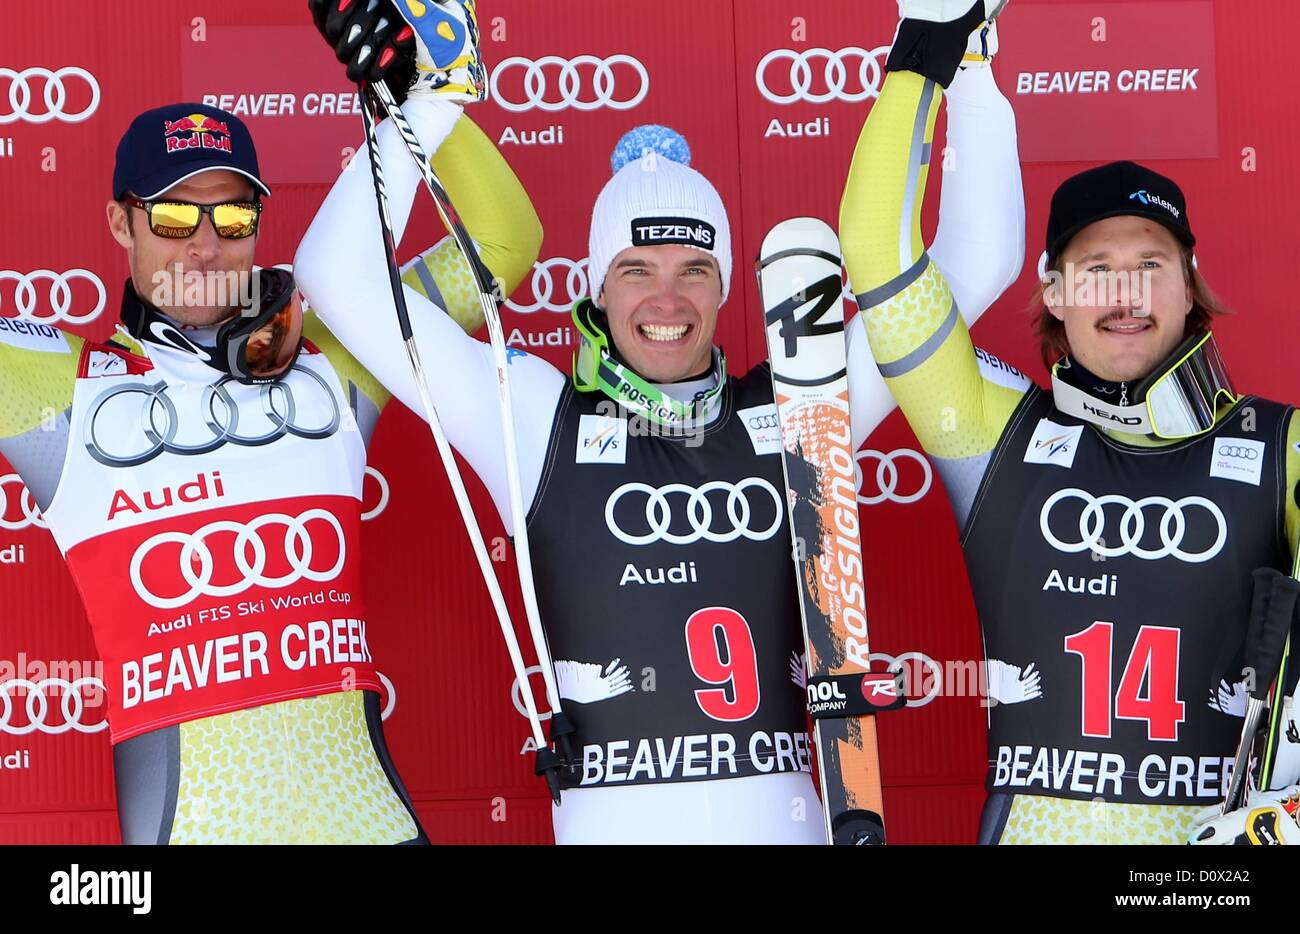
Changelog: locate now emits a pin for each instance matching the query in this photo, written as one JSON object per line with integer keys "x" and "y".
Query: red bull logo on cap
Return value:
{"x": 204, "y": 132}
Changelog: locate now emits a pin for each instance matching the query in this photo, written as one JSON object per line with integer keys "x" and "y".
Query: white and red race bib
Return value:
{"x": 213, "y": 530}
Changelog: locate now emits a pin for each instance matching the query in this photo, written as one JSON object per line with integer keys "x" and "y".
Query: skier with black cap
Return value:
{"x": 1110, "y": 525}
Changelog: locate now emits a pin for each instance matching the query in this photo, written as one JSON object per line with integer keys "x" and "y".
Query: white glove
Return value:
{"x": 1268, "y": 817}
{"x": 1007, "y": 684}
{"x": 1229, "y": 698}
{"x": 585, "y": 683}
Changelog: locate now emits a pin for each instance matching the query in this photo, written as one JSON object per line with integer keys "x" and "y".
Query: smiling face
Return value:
{"x": 209, "y": 266}
{"x": 662, "y": 302}
{"x": 1103, "y": 332}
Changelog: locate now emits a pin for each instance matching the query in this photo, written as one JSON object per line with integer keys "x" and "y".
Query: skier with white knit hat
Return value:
{"x": 652, "y": 479}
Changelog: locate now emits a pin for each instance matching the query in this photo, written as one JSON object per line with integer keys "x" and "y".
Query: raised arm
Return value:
{"x": 342, "y": 270}
{"x": 980, "y": 242}
{"x": 917, "y": 333}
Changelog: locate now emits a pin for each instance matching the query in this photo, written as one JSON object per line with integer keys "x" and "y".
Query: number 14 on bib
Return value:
{"x": 799, "y": 278}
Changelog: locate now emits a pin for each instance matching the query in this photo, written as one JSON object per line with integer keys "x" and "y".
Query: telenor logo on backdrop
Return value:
{"x": 655, "y": 231}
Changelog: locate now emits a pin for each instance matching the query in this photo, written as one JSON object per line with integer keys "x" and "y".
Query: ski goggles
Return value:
{"x": 1179, "y": 400}
{"x": 178, "y": 220}
{"x": 596, "y": 367}
{"x": 258, "y": 345}
{"x": 263, "y": 342}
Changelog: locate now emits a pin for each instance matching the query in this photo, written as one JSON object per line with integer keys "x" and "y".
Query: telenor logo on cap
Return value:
{"x": 201, "y": 130}
{"x": 654, "y": 231}
{"x": 1147, "y": 198}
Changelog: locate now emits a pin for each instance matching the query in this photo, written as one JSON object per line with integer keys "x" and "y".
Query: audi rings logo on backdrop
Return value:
{"x": 59, "y": 97}
{"x": 19, "y": 507}
{"x": 297, "y": 547}
{"x": 698, "y": 510}
{"x": 1173, "y": 522}
{"x": 391, "y": 692}
{"x": 851, "y": 75}
{"x": 39, "y": 710}
{"x": 59, "y": 293}
{"x": 517, "y": 693}
{"x": 584, "y": 82}
{"x": 920, "y": 690}
{"x": 368, "y": 514}
{"x": 1233, "y": 450}
{"x": 221, "y": 415}
{"x": 759, "y": 422}
{"x": 887, "y": 476}
{"x": 556, "y": 284}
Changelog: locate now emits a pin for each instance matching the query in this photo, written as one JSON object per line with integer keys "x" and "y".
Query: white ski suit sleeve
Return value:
{"x": 341, "y": 269}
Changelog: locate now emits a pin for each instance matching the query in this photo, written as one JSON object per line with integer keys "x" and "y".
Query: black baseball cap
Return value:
{"x": 1114, "y": 190}
{"x": 167, "y": 145}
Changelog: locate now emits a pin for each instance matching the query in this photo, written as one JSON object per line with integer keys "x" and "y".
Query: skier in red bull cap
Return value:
{"x": 1111, "y": 525}
{"x": 203, "y": 480}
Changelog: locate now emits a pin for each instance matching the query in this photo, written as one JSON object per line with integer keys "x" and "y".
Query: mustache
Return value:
{"x": 1118, "y": 315}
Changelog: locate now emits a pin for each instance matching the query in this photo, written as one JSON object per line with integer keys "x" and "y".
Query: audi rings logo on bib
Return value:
{"x": 39, "y": 95}
{"x": 819, "y": 76}
{"x": 57, "y": 299}
{"x": 52, "y": 705}
{"x": 224, "y": 558}
{"x": 639, "y": 514}
{"x": 19, "y": 508}
{"x": 895, "y": 486}
{"x": 556, "y": 284}
{"x": 1191, "y": 529}
{"x": 249, "y": 416}
{"x": 584, "y": 82}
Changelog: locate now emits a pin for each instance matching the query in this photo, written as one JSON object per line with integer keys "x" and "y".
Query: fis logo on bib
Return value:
{"x": 1053, "y": 444}
{"x": 602, "y": 439}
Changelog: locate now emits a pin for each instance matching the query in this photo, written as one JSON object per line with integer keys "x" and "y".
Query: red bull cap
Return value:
{"x": 164, "y": 146}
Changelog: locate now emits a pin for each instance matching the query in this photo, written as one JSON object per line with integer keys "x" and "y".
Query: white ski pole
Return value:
{"x": 489, "y": 296}
{"x": 548, "y": 763}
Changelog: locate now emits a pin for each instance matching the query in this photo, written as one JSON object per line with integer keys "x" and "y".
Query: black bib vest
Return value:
{"x": 1113, "y": 587}
{"x": 667, "y": 591}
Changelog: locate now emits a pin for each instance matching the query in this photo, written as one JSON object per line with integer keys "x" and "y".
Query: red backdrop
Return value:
{"x": 771, "y": 97}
